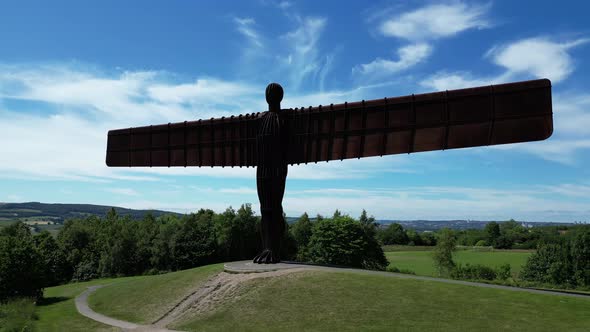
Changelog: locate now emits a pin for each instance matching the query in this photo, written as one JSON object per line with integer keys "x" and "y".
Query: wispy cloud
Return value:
{"x": 436, "y": 21}
{"x": 408, "y": 56}
{"x": 527, "y": 203}
{"x": 67, "y": 140}
{"x": 245, "y": 26}
{"x": 421, "y": 27}
{"x": 303, "y": 58}
{"x": 533, "y": 203}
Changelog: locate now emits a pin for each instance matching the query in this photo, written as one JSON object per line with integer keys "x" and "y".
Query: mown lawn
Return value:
{"x": 57, "y": 311}
{"x": 144, "y": 299}
{"x": 421, "y": 261}
{"x": 338, "y": 301}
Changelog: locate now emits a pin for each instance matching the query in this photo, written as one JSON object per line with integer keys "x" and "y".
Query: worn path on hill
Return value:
{"x": 224, "y": 285}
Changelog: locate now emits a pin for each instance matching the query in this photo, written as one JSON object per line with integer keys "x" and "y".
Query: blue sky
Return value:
{"x": 70, "y": 71}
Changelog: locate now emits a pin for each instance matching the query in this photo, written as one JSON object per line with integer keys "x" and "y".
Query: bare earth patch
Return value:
{"x": 222, "y": 287}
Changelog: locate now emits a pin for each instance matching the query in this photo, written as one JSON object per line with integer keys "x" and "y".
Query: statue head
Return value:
{"x": 274, "y": 95}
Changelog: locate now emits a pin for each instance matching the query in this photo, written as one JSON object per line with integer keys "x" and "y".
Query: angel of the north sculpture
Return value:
{"x": 272, "y": 140}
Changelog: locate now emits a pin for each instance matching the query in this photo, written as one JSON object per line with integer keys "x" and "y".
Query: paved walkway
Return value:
{"x": 84, "y": 310}
{"x": 223, "y": 283}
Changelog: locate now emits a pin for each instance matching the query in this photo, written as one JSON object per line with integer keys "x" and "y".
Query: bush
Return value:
{"x": 396, "y": 270}
{"x": 342, "y": 240}
{"x": 85, "y": 271}
{"x": 473, "y": 272}
{"x": 504, "y": 272}
{"x": 549, "y": 264}
{"x": 481, "y": 243}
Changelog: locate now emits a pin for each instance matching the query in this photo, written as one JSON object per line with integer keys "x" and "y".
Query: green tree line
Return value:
{"x": 94, "y": 247}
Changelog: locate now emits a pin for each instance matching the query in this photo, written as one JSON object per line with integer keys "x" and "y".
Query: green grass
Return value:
{"x": 421, "y": 261}
{"x": 57, "y": 311}
{"x": 144, "y": 299}
{"x": 330, "y": 301}
{"x": 17, "y": 315}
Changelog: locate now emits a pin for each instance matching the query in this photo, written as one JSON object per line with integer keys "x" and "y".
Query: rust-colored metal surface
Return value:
{"x": 487, "y": 115}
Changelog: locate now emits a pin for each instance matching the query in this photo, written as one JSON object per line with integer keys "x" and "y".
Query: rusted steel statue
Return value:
{"x": 270, "y": 141}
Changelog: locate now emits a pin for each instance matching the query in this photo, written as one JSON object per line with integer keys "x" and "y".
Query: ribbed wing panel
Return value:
{"x": 215, "y": 142}
{"x": 488, "y": 115}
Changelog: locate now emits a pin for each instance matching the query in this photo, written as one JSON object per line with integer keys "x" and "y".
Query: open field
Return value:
{"x": 143, "y": 299}
{"x": 422, "y": 264}
{"x": 334, "y": 301}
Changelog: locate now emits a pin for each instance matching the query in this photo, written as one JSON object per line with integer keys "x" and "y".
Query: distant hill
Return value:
{"x": 60, "y": 212}
{"x": 433, "y": 225}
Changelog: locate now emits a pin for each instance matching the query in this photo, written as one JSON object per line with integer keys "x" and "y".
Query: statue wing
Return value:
{"x": 487, "y": 115}
{"x": 215, "y": 142}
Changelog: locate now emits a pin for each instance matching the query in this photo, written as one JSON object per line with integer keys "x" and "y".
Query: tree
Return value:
{"x": 342, "y": 241}
{"x": 443, "y": 252}
{"x": 21, "y": 266}
{"x": 53, "y": 260}
{"x": 394, "y": 234}
{"x": 551, "y": 264}
{"x": 580, "y": 255}
{"x": 302, "y": 231}
{"x": 237, "y": 233}
{"x": 193, "y": 244}
{"x": 492, "y": 230}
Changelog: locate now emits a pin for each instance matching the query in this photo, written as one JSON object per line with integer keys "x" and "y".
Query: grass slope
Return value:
{"x": 145, "y": 298}
{"x": 57, "y": 311}
{"x": 330, "y": 301}
{"x": 421, "y": 261}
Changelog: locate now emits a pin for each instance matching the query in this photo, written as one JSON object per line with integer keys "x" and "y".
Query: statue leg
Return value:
{"x": 271, "y": 187}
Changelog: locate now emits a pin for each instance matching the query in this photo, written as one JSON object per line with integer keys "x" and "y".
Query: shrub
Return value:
{"x": 343, "y": 241}
{"x": 473, "y": 272}
{"x": 396, "y": 270}
{"x": 549, "y": 264}
{"x": 481, "y": 243}
{"x": 504, "y": 272}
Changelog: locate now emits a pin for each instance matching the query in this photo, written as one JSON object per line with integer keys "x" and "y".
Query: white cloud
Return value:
{"x": 211, "y": 91}
{"x": 408, "y": 56}
{"x": 421, "y": 26}
{"x": 538, "y": 57}
{"x": 535, "y": 58}
{"x": 435, "y": 21}
{"x": 436, "y": 203}
{"x": 458, "y": 80}
{"x": 245, "y": 26}
{"x": 526, "y": 203}
{"x": 523, "y": 59}
{"x": 65, "y": 138}
{"x": 303, "y": 59}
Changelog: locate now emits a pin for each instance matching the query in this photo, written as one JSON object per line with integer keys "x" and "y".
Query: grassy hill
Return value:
{"x": 317, "y": 301}
{"x": 336, "y": 301}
